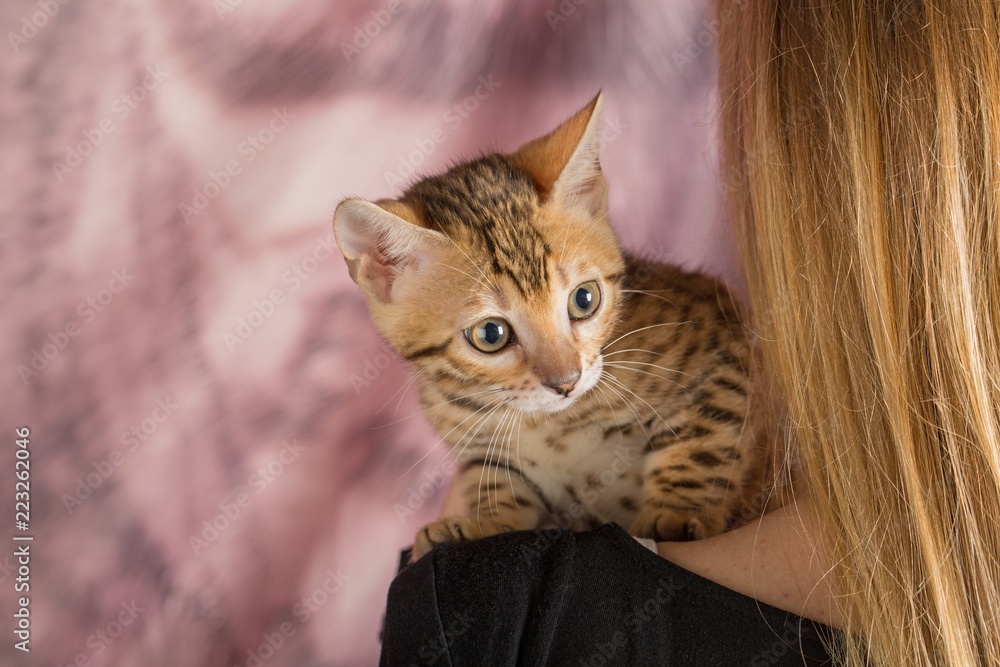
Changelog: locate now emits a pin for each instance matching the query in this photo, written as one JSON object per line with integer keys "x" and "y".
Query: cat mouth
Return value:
{"x": 558, "y": 405}
{"x": 551, "y": 403}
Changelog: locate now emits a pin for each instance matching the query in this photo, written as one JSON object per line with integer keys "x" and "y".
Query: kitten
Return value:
{"x": 578, "y": 385}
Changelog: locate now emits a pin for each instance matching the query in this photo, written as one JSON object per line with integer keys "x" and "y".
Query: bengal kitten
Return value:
{"x": 577, "y": 384}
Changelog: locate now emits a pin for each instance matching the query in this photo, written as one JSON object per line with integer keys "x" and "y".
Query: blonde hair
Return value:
{"x": 861, "y": 150}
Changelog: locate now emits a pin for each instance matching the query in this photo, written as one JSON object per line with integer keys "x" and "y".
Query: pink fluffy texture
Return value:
{"x": 170, "y": 169}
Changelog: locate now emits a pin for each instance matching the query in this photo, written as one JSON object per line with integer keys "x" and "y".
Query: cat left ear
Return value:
{"x": 380, "y": 247}
{"x": 565, "y": 164}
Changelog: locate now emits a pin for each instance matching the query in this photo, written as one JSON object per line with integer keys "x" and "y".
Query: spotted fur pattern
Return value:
{"x": 637, "y": 414}
{"x": 661, "y": 446}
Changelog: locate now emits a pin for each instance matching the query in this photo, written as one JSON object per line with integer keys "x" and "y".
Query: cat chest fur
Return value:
{"x": 585, "y": 467}
{"x": 664, "y": 433}
{"x": 666, "y": 425}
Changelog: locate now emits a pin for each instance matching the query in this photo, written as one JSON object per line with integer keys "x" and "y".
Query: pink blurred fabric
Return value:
{"x": 170, "y": 168}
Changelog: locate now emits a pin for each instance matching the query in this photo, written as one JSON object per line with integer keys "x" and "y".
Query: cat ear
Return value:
{"x": 380, "y": 246}
{"x": 565, "y": 164}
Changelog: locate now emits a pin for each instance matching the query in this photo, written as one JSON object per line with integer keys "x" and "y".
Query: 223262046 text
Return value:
{"x": 22, "y": 540}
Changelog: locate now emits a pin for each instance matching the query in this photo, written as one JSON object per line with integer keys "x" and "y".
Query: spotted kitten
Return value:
{"x": 576, "y": 384}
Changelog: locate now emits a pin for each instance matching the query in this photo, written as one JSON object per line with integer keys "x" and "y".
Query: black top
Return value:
{"x": 590, "y": 599}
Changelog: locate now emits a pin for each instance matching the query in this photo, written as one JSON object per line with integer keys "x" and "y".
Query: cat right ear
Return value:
{"x": 381, "y": 248}
{"x": 565, "y": 163}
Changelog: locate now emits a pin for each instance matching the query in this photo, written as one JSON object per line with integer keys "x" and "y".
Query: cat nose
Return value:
{"x": 563, "y": 386}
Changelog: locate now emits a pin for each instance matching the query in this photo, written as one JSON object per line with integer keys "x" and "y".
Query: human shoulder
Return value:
{"x": 777, "y": 560}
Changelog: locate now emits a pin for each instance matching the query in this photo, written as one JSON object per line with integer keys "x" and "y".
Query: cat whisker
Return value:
{"x": 468, "y": 439}
{"x": 565, "y": 238}
{"x": 489, "y": 463}
{"x": 644, "y": 363}
{"x": 631, "y": 405}
{"x": 478, "y": 425}
{"x": 504, "y": 421}
{"x": 420, "y": 460}
{"x": 650, "y": 293}
{"x": 481, "y": 419}
{"x": 651, "y": 326}
{"x": 455, "y": 268}
{"x": 402, "y": 395}
{"x": 621, "y": 385}
{"x": 505, "y": 444}
{"x": 517, "y": 452}
{"x": 627, "y": 403}
{"x": 431, "y": 407}
{"x": 506, "y": 448}
{"x": 607, "y": 378}
{"x": 401, "y": 390}
{"x": 614, "y": 415}
{"x": 591, "y": 222}
{"x": 633, "y": 349}
{"x": 625, "y": 387}
{"x": 488, "y": 282}
{"x": 639, "y": 370}
{"x": 623, "y": 365}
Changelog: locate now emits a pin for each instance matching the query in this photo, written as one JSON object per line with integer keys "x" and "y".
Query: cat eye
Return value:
{"x": 584, "y": 300}
{"x": 490, "y": 335}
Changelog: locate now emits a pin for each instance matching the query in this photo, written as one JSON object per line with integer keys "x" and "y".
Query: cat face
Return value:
{"x": 499, "y": 280}
{"x": 535, "y": 343}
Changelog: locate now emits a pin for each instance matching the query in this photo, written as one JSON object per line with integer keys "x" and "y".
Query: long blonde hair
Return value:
{"x": 861, "y": 150}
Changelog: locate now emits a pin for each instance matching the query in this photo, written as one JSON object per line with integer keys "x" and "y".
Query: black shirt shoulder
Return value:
{"x": 589, "y": 599}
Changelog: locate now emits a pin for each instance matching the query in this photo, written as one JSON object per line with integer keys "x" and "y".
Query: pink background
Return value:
{"x": 156, "y": 416}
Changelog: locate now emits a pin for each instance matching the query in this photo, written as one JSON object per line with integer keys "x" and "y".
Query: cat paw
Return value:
{"x": 455, "y": 529}
{"x": 667, "y": 526}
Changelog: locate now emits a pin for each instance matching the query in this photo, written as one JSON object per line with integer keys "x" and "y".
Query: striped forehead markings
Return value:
{"x": 490, "y": 203}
